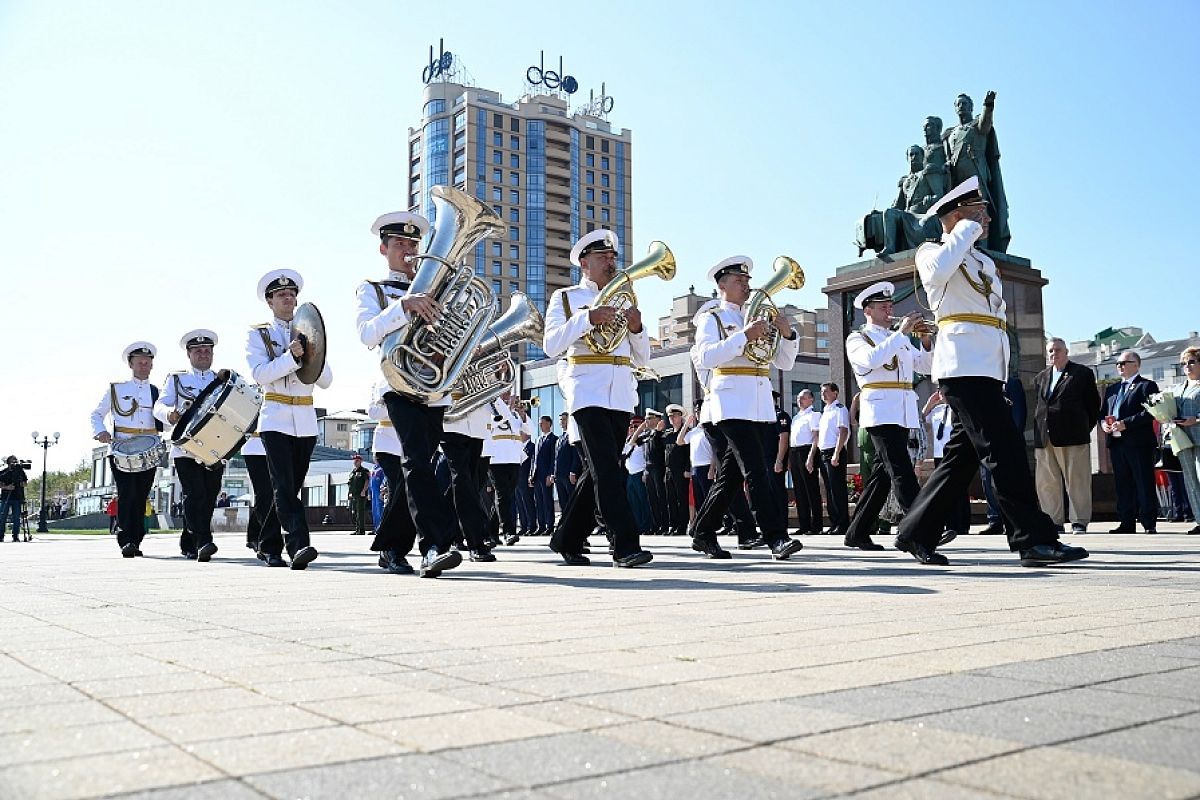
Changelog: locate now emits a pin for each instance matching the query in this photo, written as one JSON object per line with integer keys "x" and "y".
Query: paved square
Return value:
{"x": 837, "y": 674}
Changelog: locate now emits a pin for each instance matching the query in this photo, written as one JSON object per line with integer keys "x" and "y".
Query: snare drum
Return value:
{"x": 138, "y": 453}
{"x": 215, "y": 425}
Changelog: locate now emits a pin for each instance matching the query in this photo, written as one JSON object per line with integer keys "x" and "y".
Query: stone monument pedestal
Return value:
{"x": 1022, "y": 296}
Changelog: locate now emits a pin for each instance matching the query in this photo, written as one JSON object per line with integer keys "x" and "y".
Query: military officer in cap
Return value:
{"x": 384, "y": 307}
{"x": 395, "y": 533}
{"x": 462, "y": 444}
{"x": 884, "y": 361}
{"x": 287, "y": 423}
{"x": 507, "y": 450}
{"x": 200, "y": 484}
{"x": 970, "y": 364}
{"x": 679, "y": 467}
{"x": 601, "y": 393}
{"x": 743, "y": 408}
{"x": 264, "y": 522}
{"x": 130, "y": 406}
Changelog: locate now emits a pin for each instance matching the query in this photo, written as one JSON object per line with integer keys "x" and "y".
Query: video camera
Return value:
{"x": 25, "y": 464}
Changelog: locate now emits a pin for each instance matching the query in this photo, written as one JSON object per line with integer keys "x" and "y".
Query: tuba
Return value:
{"x": 492, "y": 367}
{"x": 424, "y": 361}
{"x": 788, "y": 275}
{"x": 660, "y": 261}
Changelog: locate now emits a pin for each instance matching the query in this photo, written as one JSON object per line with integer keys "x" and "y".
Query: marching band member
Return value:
{"x": 462, "y": 444}
{"x": 970, "y": 364}
{"x": 287, "y": 423}
{"x": 383, "y": 307}
{"x": 130, "y": 406}
{"x": 507, "y": 450}
{"x": 395, "y": 533}
{"x": 601, "y": 393}
{"x": 264, "y": 522}
{"x": 742, "y": 405}
{"x": 884, "y": 362}
{"x": 200, "y": 484}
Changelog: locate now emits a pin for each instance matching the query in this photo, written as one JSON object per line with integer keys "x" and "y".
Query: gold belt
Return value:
{"x": 887, "y": 385}
{"x": 619, "y": 361}
{"x": 135, "y": 431}
{"x": 289, "y": 400}
{"x": 509, "y": 436}
{"x": 253, "y": 435}
{"x": 753, "y": 372}
{"x": 978, "y": 319}
{"x": 385, "y": 423}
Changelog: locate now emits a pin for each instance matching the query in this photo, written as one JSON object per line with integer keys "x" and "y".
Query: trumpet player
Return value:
{"x": 884, "y": 362}
{"x": 742, "y": 406}
{"x": 383, "y": 307}
{"x": 601, "y": 393}
{"x": 200, "y": 484}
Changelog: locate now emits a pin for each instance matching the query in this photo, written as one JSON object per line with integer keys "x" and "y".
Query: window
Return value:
{"x": 460, "y": 139}
{"x": 604, "y": 145}
{"x": 590, "y": 160}
{"x": 822, "y": 344}
{"x": 589, "y": 177}
{"x": 460, "y": 121}
{"x": 497, "y": 138}
{"x": 514, "y": 161}
{"x": 604, "y": 162}
{"x": 497, "y": 268}
{"x": 590, "y": 143}
{"x": 514, "y": 142}
{"x": 591, "y": 226}
{"x": 513, "y": 286}
{"x": 497, "y": 210}
{"x": 514, "y": 125}
{"x": 497, "y": 248}
{"x": 497, "y": 157}
{"x": 514, "y": 234}
{"x": 460, "y": 178}
{"x": 514, "y": 197}
{"x": 514, "y": 214}
{"x": 604, "y": 217}
{"x": 342, "y": 427}
{"x": 514, "y": 178}
{"x": 435, "y": 107}
{"x": 514, "y": 251}
{"x": 604, "y": 179}
{"x": 589, "y": 195}
{"x": 514, "y": 270}
{"x": 496, "y": 288}
{"x": 497, "y": 121}
{"x": 414, "y": 148}
{"x": 590, "y": 212}
{"x": 497, "y": 193}
{"x": 497, "y": 176}
{"x": 604, "y": 198}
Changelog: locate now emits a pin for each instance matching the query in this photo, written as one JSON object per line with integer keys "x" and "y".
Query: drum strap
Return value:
{"x": 264, "y": 331}
{"x": 158, "y": 425}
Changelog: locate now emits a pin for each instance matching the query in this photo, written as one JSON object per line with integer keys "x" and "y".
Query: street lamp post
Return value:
{"x": 45, "y": 444}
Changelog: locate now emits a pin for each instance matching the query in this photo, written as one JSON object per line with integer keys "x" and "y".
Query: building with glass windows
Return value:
{"x": 552, "y": 176}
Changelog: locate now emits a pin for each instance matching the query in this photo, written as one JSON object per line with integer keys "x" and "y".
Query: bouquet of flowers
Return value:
{"x": 1163, "y": 407}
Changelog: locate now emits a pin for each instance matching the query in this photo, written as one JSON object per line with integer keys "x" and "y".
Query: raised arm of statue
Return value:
{"x": 985, "y": 119}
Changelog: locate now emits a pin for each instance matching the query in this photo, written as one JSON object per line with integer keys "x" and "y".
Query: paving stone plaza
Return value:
{"x": 838, "y": 674}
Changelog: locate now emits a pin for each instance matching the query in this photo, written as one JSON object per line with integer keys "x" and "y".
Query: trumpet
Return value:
{"x": 923, "y": 326}
{"x": 530, "y": 404}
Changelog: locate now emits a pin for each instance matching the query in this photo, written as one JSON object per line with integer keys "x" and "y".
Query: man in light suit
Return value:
{"x": 1131, "y": 445}
{"x": 1067, "y": 410}
{"x": 541, "y": 477}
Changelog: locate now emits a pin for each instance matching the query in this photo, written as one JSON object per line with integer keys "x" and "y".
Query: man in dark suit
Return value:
{"x": 1068, "y": 408}
{"x": 525, "y": 511}
{"x": 567, "y": 464}
{"x": 541, "y": 477}
{"x": 1131, "y": 445}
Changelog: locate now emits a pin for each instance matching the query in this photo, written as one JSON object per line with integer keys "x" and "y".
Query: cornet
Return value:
{"x": 923, "y": 325}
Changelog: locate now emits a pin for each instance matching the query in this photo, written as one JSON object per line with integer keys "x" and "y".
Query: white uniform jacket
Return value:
{"x": 385, "y": 439}
{"x": 507, "y": 447}
{"x": 635, "y": 458}
{"x": 962, "y": 280}
{"x": 477, "y": 424}
{"x": 130, "y": 405}
{"x": 180, "y": 390}
{"x": 253, "y": 446}
{"x": 699, "y": 448}
{"x": 880, "y": 356}
{"x": 376, "y": 320}
{"x": 609, "y": 386}
{"x": 720, "y": 340}
{"x": 805, "y": 425}
{"x": 290, "y": 411}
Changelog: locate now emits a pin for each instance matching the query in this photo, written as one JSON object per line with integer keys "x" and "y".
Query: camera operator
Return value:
{"x": 12, "y": 482}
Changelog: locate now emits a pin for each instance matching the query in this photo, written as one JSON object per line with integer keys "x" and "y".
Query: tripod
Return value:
{"x": 26, "y": 535}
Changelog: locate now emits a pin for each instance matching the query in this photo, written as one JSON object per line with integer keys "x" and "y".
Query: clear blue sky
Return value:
{"x": 157, "y": 157}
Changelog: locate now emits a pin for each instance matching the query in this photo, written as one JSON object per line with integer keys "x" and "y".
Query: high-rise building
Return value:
{"x": 550, "y": 174}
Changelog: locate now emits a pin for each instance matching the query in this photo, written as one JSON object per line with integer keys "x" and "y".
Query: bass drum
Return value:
{"x": 138, "y": 453}
{"x": 216, "y": 424}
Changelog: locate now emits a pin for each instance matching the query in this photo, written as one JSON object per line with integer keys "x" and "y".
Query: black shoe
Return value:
{"x": 575, "y": 559}
{"x": 1078, "y": 527}
{"x": 491, "y": 543}
{"x": 480, "y": 555}
{"x": 634, "y": 559}
{"x": 863, "y": 543}
{"x": 922, "y": 553}
{"x": 206, "y": 551}
{"x": 993, "y": 529}
{"x": 358, "y": 533}
{"x": 303, "y": 557}
{"x": 395, "y": 563}
{"x": 1056, "y": 553}
{"x": 273, "y": 559}
{"x": 710, "y": 548}
{"x": 750, "y": 544}
{"x": 252, "y": 546}
{"x": 1151, "y": 530}
{"x": 138, "y": 553}
{"x": 830, "y": 531}
{"x": 1194, "y": 531}
{"x": 1123, "y": 529}
{"x": 511, "y": 540}
{"x": 947, "y": 538}
{"x": 189, "y": 555}
{"x": 781, "y": 550}
{"x": 129, "y": 550}
{"x": 434, "y": 563}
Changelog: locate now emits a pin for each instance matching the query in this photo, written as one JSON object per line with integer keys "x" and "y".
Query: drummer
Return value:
{"x": 288, "y": 422}
{"x": 201, "y": 484}
{"x": 130, "y": 406}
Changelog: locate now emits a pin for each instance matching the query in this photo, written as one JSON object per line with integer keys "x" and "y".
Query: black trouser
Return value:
{"x": 959, "y": 520}
{"x": 524, "y": 500}
{"x": 778, "y": 480}
{"x": 656, "y": 492}
{"x": 745, "y": 445}
{"x": 677, "y": 500}
{"x": 893, "y": 471}
{"x": 1133, "y": 477}
{"x": 463, "y": 454}
{"x": 983, "y": 432}
{"x": 264, "y": 522}
{"x": 395, "y": 532}
{"x": 700, "y": 484}
{"x": 287, "y": 462}
{"x": 728, "y": 496}
{"x": 201, "y": 485}
{"x": 563, "y": 488}
{"x": 806, "y": 488}
{"x": 419, "y": 428}
{"x": 543, "y": 503}
{"x": 133, "y": 488}
{"x": 837, "y": 499}
{"x": 602, "y": 486}
{"x": 504, "y": 478}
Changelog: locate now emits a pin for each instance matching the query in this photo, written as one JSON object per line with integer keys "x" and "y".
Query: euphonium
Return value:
{"x": 788, "y": 275}
{"x": 619, "y": 294}
{"x": 492, "y": 368}
{"x": 423, "y": 360}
